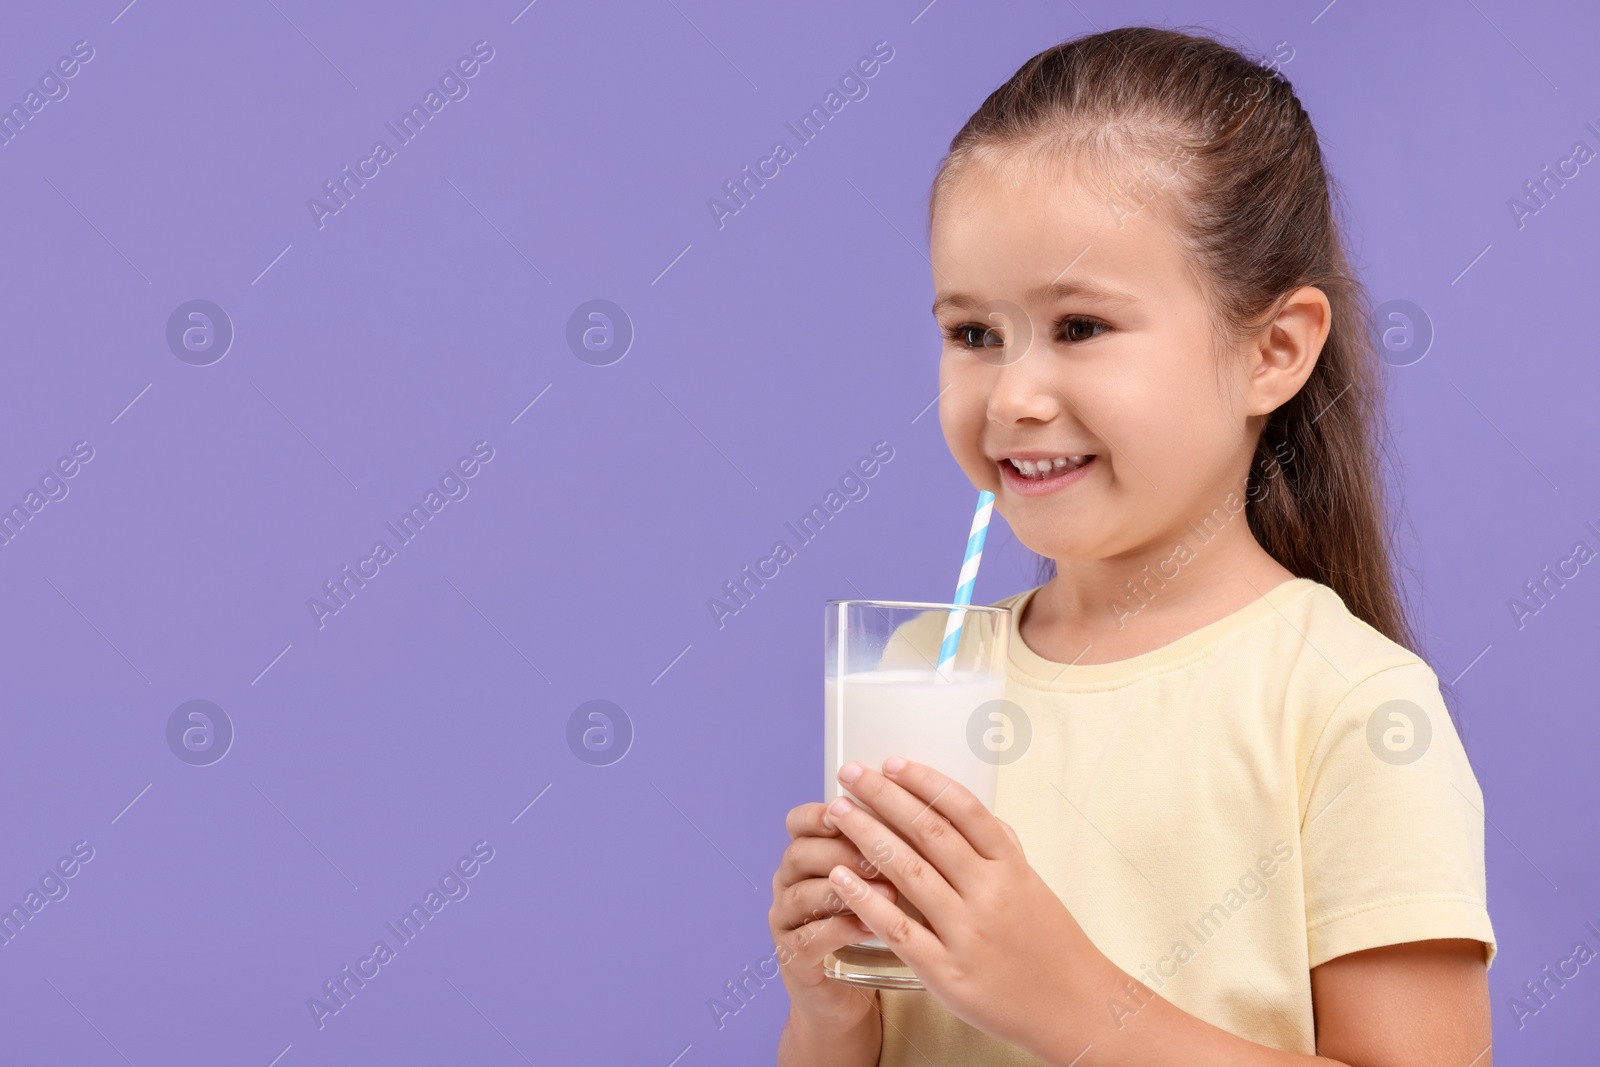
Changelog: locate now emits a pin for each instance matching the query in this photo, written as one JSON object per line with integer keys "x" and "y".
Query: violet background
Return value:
{"x": 768, "y": 356}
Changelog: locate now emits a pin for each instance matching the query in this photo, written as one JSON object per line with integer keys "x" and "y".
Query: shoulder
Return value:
{"x": 1334, "y": 659}
{"x": 1317, "y": 617}
{"x": 918, "y": 639}
{"x": 1391, "y": 812}
{"x": 1014, "y": 599}
{"x": 1373, "y": 721}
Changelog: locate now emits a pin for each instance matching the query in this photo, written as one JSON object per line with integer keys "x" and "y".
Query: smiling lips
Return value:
{"x": 1036, "y": 477}
{"x": 1047, "y": 468}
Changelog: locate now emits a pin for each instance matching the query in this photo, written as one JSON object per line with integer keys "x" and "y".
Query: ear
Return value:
{"x": 1286, "y": 351}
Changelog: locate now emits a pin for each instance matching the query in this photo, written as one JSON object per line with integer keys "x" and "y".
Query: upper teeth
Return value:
{"x": 1030, "y": 466}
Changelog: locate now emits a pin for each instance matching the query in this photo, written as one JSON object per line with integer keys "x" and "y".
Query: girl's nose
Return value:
{"x": 1022, "y": 386}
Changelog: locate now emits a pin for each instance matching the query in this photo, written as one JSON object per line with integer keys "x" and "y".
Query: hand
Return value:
{"x": 1000, "y": 950}
{"x": 810, "y": 919}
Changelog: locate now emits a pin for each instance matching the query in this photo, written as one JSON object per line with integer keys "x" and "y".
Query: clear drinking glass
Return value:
{"x": 883, "y": 697}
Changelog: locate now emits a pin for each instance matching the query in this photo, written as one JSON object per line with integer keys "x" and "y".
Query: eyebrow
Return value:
{"x": 1046, "y": 294}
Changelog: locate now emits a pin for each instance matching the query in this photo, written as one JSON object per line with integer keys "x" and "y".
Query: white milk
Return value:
{"x": 909, "y": 713}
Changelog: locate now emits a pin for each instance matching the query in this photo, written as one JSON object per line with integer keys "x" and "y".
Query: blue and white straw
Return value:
{"x": 968, "y": 579}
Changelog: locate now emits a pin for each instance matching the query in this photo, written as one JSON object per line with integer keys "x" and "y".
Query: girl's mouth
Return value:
{"x": 1040, "y": 481}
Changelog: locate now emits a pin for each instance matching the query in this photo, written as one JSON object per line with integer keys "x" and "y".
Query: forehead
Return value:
{"x": 1005, "y": 226}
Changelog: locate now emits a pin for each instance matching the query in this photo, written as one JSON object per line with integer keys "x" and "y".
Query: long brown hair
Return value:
{"x": 1253, "y": 207}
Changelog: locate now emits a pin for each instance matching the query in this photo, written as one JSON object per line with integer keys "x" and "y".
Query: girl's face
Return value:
{"x": 1117, "y": 364}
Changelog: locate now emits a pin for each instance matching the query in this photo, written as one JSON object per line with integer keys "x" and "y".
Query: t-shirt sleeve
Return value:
{"x": 1391, "y": 822}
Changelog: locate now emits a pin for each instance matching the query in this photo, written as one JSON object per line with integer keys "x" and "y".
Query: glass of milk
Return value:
{"x": 883, "y": 697}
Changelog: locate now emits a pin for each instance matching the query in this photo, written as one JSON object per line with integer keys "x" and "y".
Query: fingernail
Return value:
{"x": 849, "y": 772}
{"x": 840, "y": 806}
{"x": 882, "y": 890}
{"x": 893, "y": 765}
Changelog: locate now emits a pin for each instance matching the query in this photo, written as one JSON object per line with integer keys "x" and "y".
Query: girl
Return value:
{"x": 1245, "y": 830}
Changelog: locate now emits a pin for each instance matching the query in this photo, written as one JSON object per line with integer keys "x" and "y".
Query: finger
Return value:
{"x": 977, "y": 824}
{"x": 814, "y": 857}
{"x": 815, "y": 899}
{"x": 803, "y": 949}
{"x": 1015, "y": 840}
{"x": 923, "y": 826}
{"x": 914, "y": 943}
{"x": 806, "y": 819}
{"x": 917, "y": 879}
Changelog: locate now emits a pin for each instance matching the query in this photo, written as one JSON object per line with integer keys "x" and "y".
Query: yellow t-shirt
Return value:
{"x": 1226, "y": 812}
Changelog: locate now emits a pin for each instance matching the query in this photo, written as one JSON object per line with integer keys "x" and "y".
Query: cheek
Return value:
{"x": 962, "y": 406}
{"x": 1163, "y": 417}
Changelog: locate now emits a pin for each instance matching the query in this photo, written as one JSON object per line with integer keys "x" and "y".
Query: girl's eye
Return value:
{"x": 973, "y": 335}
{"x": 1072, "y": 321}
{"x": 963, "y": 334}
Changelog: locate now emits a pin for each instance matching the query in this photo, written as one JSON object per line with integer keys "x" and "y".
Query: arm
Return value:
{"x": 1418, "y": 1004}
{"x": 1422, "y": 1002}
{"x": 801, "y": 1045}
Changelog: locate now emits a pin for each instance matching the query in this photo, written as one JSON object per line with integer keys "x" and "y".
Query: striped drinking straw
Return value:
{"x": 969, "y": 578}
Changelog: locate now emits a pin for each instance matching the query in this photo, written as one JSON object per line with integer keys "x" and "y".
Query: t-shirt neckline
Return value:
{"x": 1048, "y": 674}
